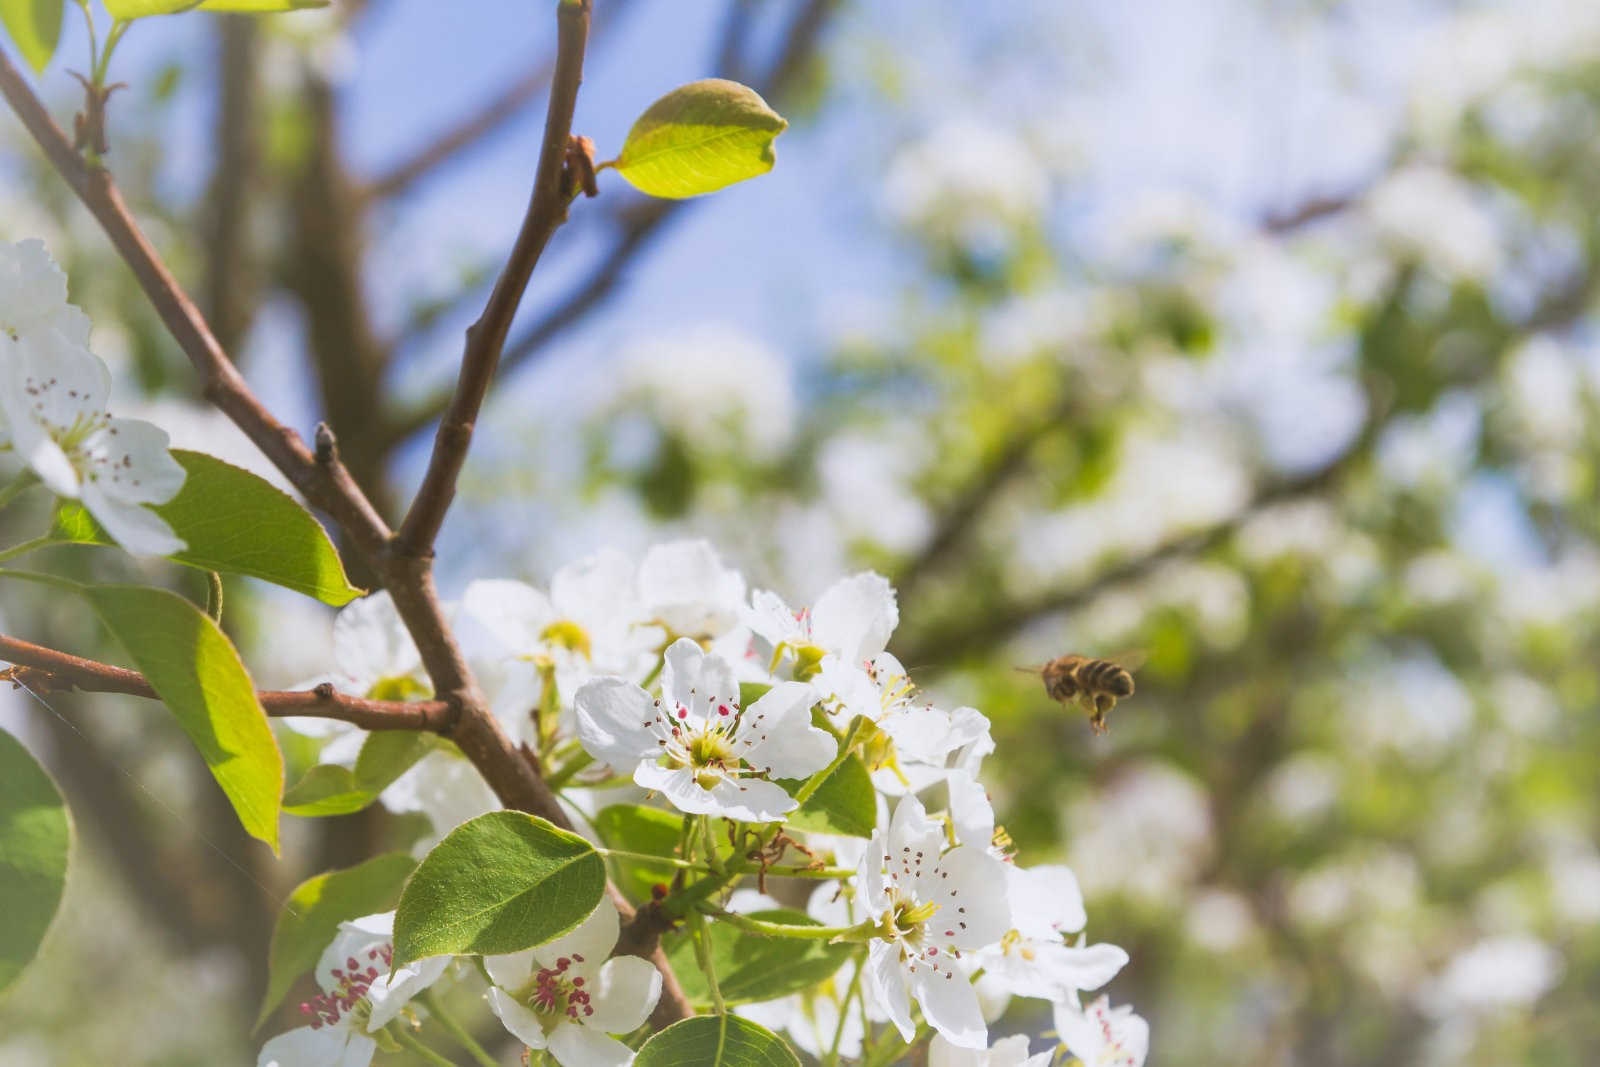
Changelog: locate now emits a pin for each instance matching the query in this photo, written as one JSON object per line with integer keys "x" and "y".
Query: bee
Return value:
{"x": 1096, "y": 684}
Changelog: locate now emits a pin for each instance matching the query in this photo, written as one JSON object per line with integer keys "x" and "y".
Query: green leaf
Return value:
{"x": 636, "y": 828}
{"x": 35, "y": 839}
{"x": 311, "y": 916}
{"x": 329, "y": 789}
{"x": 716, "y": 1041}
{"x": 35, "y": 27}
{"x": 499, "y": 883}
{"x": 751, "y": 967}
{"x": 134, "y": 9}
{"x": 237, "y": 523}
{"x": 844, "y": 804}
{"x": 699, "y": 138}
{"x": 198, "y": 674}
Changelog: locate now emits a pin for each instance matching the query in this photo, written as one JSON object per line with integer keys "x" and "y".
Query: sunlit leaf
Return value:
{"x": 699, "y": 138}
{"x": 844, "y": 804}
{"x": 716, "y": 1041}
{"x": 499, "y": 883}
{"x": 330, "y": 789}
{"x": 35, "y": 28}
{"x": 198, "y": 674}
{"x": 237, "y": 523}
{"x": 35, "y": 839}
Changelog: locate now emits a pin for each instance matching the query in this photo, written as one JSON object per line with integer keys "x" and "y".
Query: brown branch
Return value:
{"x": 46, "y": 670}
{"x": 547, "y": 209}
{"x": 491, "y": 116}
{"x": 326, "y": 487}
{"x": 636, "y": 224}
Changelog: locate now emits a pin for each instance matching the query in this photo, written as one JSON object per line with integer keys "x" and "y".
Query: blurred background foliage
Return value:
{"x": 1255, "y": 336}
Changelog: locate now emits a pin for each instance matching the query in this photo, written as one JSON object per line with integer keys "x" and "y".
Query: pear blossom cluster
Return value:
{"x": 669, "y": 682}
{"x": 53, "y": 417}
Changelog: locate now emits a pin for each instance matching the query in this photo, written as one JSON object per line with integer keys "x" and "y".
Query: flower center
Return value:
{"x": 564, "y": 633}
{"x": 556, "y": 996}
{"x": 348, "y": 999}
{"x": 906, "y": 916}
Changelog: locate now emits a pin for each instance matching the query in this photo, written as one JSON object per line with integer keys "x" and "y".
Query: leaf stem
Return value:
{"x": 25, "y": 547}
{"x": 848, "y": 748}
{"x": 24, "y": 481}
{"x": 569, "y": 770}
{"x": 702, "y": 955}
{"x": 406, "y": 1038}
{"x": 457, "y": 1031}
{"x": 798, "y": 933}
{"x": 214, "y": 596}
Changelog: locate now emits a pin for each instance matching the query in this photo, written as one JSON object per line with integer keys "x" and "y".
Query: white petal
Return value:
{"x": 855, "y": 617}
{"x": 589, "y": 943}
{"x": 751, "y": 800}
{"x": 510, "y": 969}
{"x": 370, "y": 643}
{"x": 392, "y": 992}
{"x": 523, "y": 1024}
{"x": 1045, "y": 900}
{"x": 772, "y": 619}
{"x": 58, "y": 382}
{"x": 969, "y": 885}
{"x": 505, "y": 614}
{"x": 133, "y": 526}
{"x": 778, "y": 736}
{"x": 130, "y": 461}
{"x": 612, "y": 717}
{"x": 941, "y": 1053}
{"x": 624, "y": 995}
{"x": 970, "y": 810}
{"x": 870, "y": 885}
{"x": 950, "y": 1005}
{"x": 594, "y": 587}
{"x": 360, "y": 940}
{"x": 330, "y": 1046}
{"x": 885, "y": 978}
{"x": 579, "y": 1046}
{"x": 680, "y": 675}
{"x": 912, "y": 832}
{"x": 679, "y": 787}
{"x": 685, "y": 585}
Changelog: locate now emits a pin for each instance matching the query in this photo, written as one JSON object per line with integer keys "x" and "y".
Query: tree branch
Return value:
{"x": 328, "y": 487}
{"x": 47, "y": 669}
{"x": 637, "y": 223}
{"x": 486, "y": 338}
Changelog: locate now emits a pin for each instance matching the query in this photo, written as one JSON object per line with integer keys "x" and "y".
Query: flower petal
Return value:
{"x": 523, "y": 1024}
{"x": 392, "y": 992}
{"x": 855, "y": 617}
{"x": 371, "y": 644}
{"x": 504, "y": 615}
{"x": 679, "y": 787}
{"x": 776, "y": 735}
{"x": 589, "y": 943}
{"x": 133, "y": 526}
{"x": 613, "y": 718}
{"x": 950, "y": 1005}
{"x": 751, "y": 800}
{"x": 510, "y": 969}
{"x": 1045, "y": 901}
{"x": 579, "y": 1046}
{"x": 624, "y": 995}
{"x": 330, "y": 1046}
{"x": 131, "y": 460}
{"x": 885, "y": 978}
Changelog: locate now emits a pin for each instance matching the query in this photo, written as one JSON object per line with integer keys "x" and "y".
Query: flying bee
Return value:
{"x": 1095, "y": 684}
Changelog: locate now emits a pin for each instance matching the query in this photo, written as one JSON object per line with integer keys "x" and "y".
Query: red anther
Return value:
{"x": 683, "y": 713}
{"x": 658, "y": 891}
{"x": 577, "y": 958}
{"x": 577, "y": 981}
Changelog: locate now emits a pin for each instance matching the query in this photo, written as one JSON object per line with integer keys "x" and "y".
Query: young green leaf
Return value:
{"x": 716, "y": 1041}
{"x": 313, "y": 912}
{"x": 844, "y": 804}
{"x": 699, "y": 138}
{"x": 750, "y": 967}
{"x": 35, "y": 28}
{"x": 237, "y": 523}
{"x": 197, "y": 672}
{"x": 35, "y": 839}
{"x": 135, "y": 9}
{"x": 329, "y": 789}
{"x": 499, "y": 883}
{"x": 636, "y": 828}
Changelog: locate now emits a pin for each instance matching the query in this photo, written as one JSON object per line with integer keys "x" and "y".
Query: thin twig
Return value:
{"x": 53, "y": 670}
{"x": 547, "y": 209}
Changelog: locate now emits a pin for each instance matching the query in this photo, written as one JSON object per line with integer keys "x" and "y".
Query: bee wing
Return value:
{"x": 1130, "y": 659}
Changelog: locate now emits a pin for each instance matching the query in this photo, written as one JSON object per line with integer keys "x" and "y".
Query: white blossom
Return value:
{"x": 1102, "y": 1036}
{"x": 1034, "y": 959}
{"x": 696, "y": 745}
{"x": 567, "y": 997}
{"x": 360, "y": 995}
{"x": 1007, "y": 1052}
{"x": 933, "y": 907}
{"x": 684, "y": 587}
